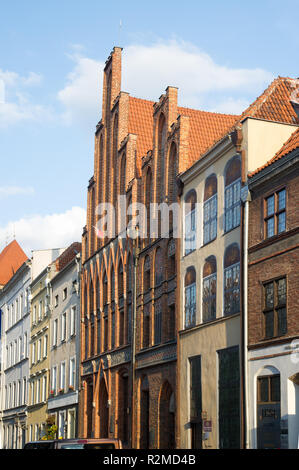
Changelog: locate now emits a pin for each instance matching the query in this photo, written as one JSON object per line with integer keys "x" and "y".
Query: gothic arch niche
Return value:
{"x": 171, "y": 183}
{"x": 103, "y": 409}
{"x": 123, "y": 406}
{"x": 166, "y": 417}
{"x": 89, "y": 407}
{"x": 144, "y": 413}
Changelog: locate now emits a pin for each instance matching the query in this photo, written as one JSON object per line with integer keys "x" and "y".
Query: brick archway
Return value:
{"x": 166, "y": 417}
{"x": 103, "y": 409}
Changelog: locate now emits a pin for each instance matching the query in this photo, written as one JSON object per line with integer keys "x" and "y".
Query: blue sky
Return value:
{"x": 220, "y": 54}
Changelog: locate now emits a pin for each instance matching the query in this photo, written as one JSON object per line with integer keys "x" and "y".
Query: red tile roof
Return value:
{"x": 67, "y": 256}
{"x": 274, "y": 104}
{"x": 291, "y": 144}
{"x": 206, "y": 128}
{"x": 11, "y": 259}
{"x": 141, "y": 123}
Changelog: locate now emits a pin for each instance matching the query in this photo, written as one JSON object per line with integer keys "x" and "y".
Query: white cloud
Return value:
{"x": 6, "y": 191}
{"x": 16, "y": 105}
{"x": 148, "y": 70}
{"x": 49, "y": 231}
{"x": 81, "y": 95}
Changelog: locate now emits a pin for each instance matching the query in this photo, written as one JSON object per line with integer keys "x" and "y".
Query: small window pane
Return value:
{"x": 281, "y": 291}
{"x": 270, "y": 227}
{"x": 264, "y": 389}
{"x": 270, "y": 205}
{"x": 281, "y": 222}
{"x": 269, "y": 327}
{"x": 282, "y": 200}
{"x": 275, "y": 388}
{"x": 269, "y": 288}
{"x": 282, "y": 321}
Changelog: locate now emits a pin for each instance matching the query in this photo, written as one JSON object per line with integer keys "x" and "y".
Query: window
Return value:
{"x": 232, "y": 280}
{"x": 54, "y": 380}
{"x": 64, "y": 295}
{"x": 39, "y": 349}
{"x": 55, "y": 329}
{"x": 73, "y": 322}
{"x": 190, "y": 222}
{"x": 158, "y": 323}
{"x": 195, "y": 402}
{"x": 146, "y": 274}
{"x": 33, "y": 353}
{"x": 158, "y": 267}
{"x": 268, "y": 389}
{"x": 62, "y": 376}
{"x": 232, "y": 208}
{"x": 171, "y": 265}
{"x": 45, "y": 346}
{"x": 38, "y": 391}
{"x": 209, "y": 289}
{"x": 275, "y": 214}
{"x": 40, "y": 310}
{"x": 20, "y": 357}
{"x": 275, "y": 312}
{"x": 190, "y": 297}
{"x": 56, "y": 301}
{"x": 72, "y": 378}
{"x": 24, "y": 391}
{"x": 34, "y": 314}
{"x": 120, "y": 280}
{"x": 63, "y": 327}
{"x": 44, "y": 393}
{"x": 210, "y": 209}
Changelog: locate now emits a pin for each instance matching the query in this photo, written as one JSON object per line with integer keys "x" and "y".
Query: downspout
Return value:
{"x": 136, "y": 259}
{"x": 246, "y": 227}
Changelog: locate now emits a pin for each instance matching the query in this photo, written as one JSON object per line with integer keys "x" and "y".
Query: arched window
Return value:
{"x": 158, "y": 267}
{"x": 190, "y": 297}
{"x": 148, "y": 199}
{"x": 232, "y": 279}
{"x": 232, "y": 194}
{"x": 114, "y": 158}
{"x": 210, "y": 209}
{"x": 161, "y": 156}
{"x": 172, "y": 171}
{"x": 98, "y": 317}
{"x": 112, "y": 297}
{"x": 120, "y": 279}
{"x": 146, "y": 274}
{"x": 190, "y": 222}
{"x": 171, "y": 265}
{"x": 209, "y": 289}
{"x": 105, "y": 289}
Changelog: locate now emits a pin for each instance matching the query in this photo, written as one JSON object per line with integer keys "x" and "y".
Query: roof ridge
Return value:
{"x": 208, "y": 112}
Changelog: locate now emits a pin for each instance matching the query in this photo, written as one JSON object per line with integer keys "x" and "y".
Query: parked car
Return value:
{"x": 75, "y": 444}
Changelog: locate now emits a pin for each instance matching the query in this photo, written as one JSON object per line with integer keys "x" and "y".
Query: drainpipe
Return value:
{"x": 245, "y": 291}
{"x": 134, "y": 315}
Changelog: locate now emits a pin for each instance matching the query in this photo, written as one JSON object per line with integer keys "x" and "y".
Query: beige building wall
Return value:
{"x": 205, "y": 339}
{"x": 40, "y": 364}
{"x": 262, "y": 139}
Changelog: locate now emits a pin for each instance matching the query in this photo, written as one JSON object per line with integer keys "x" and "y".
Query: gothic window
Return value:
{"x": 171, "y": 271}
{"x": 232, "y": 280}
{"x": 275, "y": 312}
{"x": 275, "y": 213}
{"x": 210, "y": 209}
{"x": 190, "y": 222}
{"x": 190, "y": 297}
{"x": 105, "y": 289}
{"x": 209, "y": 289}
{"x": 232, "y": 209}
{"x": 146, "y": 274}
{"x": 158, "y": 267}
